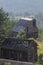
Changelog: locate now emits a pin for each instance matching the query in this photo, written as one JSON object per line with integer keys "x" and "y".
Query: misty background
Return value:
{"x": 24, "y": 8}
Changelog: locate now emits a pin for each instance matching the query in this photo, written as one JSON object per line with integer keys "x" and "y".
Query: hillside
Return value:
{"x": 21, "y": 6}
{"x": 24, "y": 7}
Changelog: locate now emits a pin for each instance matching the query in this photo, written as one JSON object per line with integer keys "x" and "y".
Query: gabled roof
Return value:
{"x": 18, "y": 28}
{"x": 21, "y": 24}
{"x": 29, "y": 19}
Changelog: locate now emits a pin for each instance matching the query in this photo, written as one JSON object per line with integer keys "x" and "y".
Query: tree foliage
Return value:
{"x": 3, "y": 19}
{"x": 41, "y": 33}
{"x": 21, "y": 34}
{"x": 3, "y": 16}
{"x": 5, "y": 24}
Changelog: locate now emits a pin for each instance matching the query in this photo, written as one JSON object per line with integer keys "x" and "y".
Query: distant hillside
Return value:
{"x": 39, "y": 17}
{"x": 21, "y": 6}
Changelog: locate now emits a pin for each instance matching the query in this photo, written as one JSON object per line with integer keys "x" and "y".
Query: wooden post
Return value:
{"x": 0, "y": 52}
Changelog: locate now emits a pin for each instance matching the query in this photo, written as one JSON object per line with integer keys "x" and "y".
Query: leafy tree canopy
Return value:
{"x": 5, "y": 24}
{"x": 3, "y": 16}
{"x": 21, "y": 34}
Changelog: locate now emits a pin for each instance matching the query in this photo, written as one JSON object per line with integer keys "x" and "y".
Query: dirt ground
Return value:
{"x": 12, "y": 62}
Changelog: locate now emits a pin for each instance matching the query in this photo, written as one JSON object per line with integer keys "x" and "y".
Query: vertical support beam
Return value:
{"x": 0, "y": 52}
{"x": 29, "y": 56}
{"x": 10, "y": 54}
{"x": 18, "y": 56}
{"x": 29, "y": 52}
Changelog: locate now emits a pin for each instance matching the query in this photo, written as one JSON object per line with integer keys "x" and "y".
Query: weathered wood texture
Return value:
{"x": 19, "y": 49}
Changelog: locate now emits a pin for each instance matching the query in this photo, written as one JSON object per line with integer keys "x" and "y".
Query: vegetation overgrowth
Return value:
{"x": 40, "y": 45}
{"x": 6, "y": 26}
{"x": 39, "y": 50}
{"x": 40, "y": 33}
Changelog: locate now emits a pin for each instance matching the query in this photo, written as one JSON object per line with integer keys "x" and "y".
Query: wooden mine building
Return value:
{"x": 21, "y": 49}
{"x": 28, "y": 25}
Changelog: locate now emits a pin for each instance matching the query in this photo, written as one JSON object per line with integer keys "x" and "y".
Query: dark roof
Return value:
{"x": 15, "y": 44}
{"x": 21, "y": 25}
{"x": 18, "y": 28}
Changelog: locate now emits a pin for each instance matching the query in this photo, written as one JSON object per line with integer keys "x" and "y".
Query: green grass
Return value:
{"x": 7, "y": 63}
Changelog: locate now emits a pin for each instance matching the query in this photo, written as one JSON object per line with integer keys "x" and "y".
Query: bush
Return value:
{"x": 41, "y": 59}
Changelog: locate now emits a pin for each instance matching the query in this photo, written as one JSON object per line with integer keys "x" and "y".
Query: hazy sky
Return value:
{"x": 22, "y": 5}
